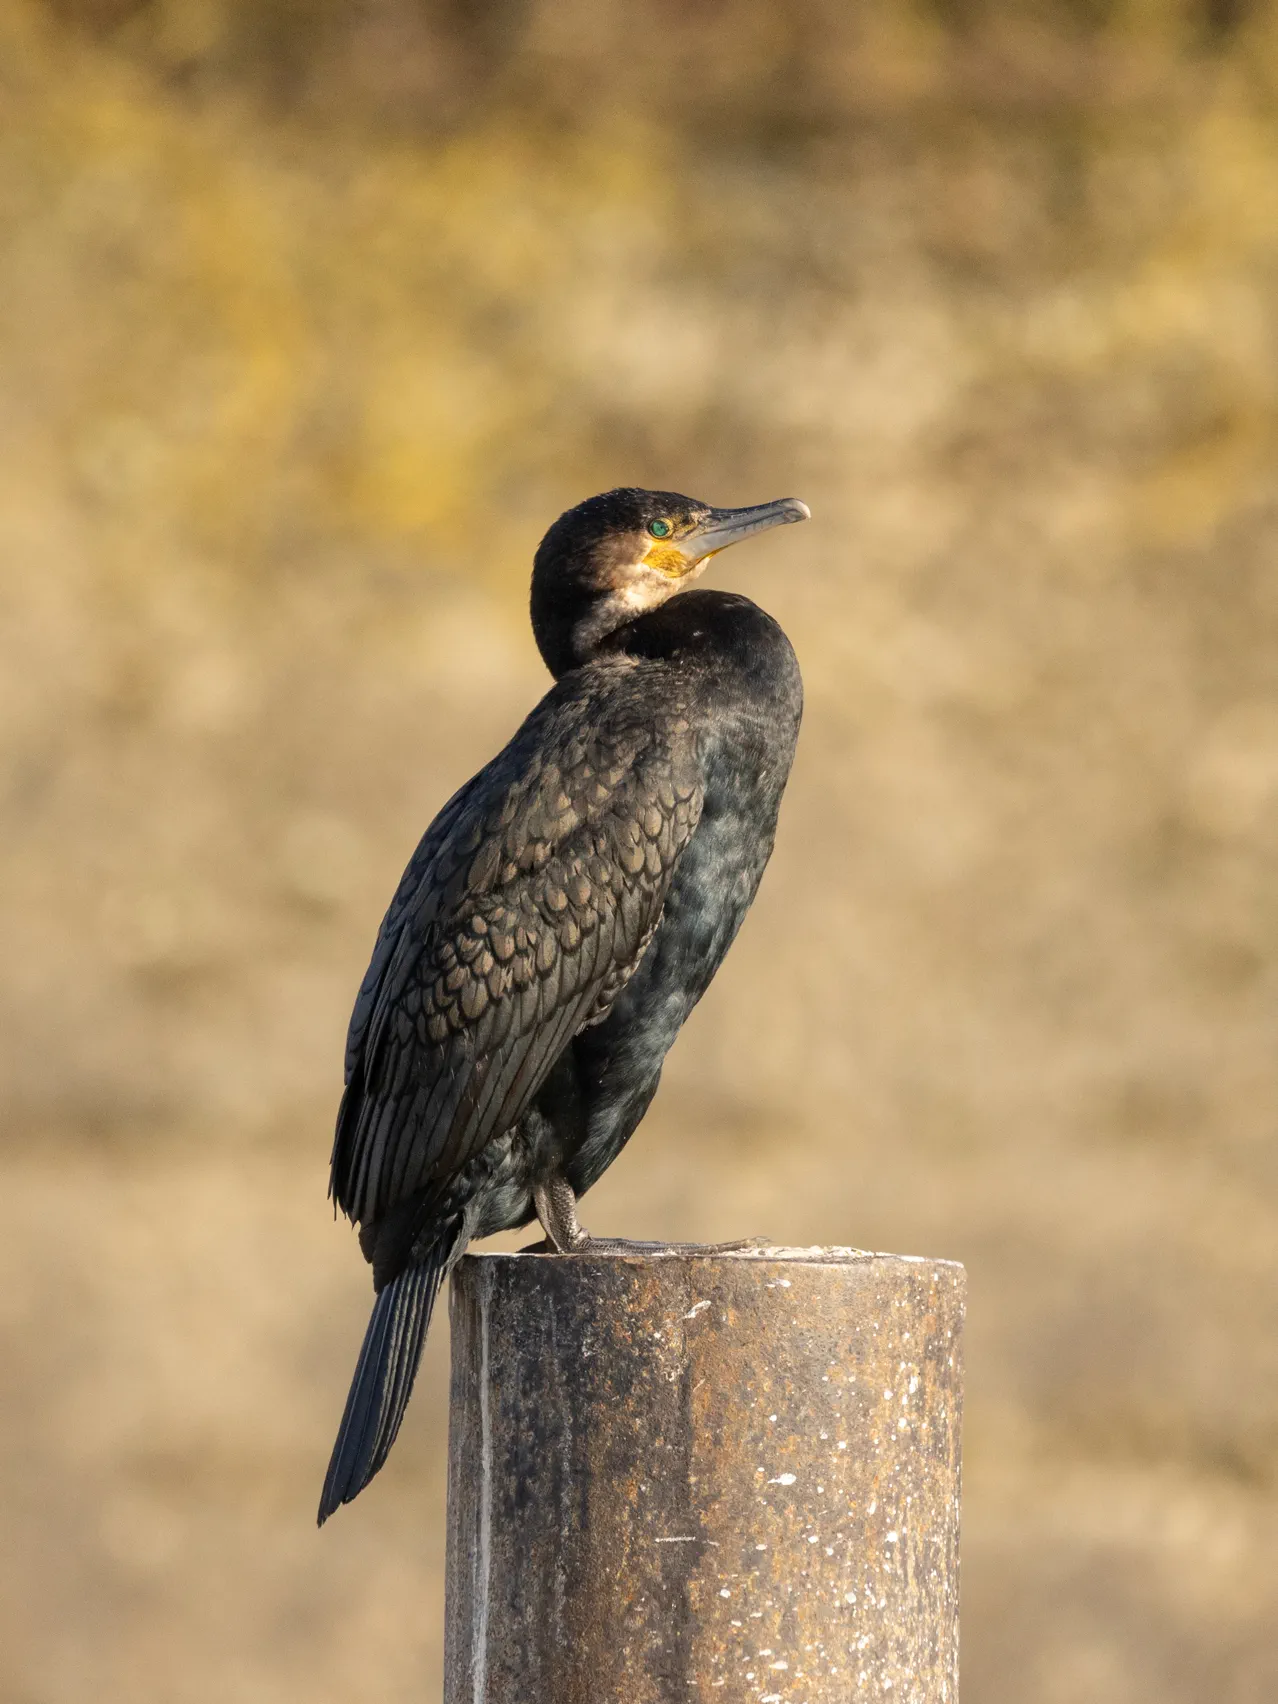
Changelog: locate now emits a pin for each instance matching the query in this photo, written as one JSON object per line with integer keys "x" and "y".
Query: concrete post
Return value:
{"x": 704, "y": 1476}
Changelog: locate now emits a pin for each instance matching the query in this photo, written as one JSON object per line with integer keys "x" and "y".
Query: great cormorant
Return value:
{"x": 561, "y": 917}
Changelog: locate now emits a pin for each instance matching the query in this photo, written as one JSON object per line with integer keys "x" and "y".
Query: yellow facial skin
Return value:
{"x": 668, "y": 555}
{"x": 665, "y": 556}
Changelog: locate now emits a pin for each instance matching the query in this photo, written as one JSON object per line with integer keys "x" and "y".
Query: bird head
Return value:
{"x": 625, "y": 552}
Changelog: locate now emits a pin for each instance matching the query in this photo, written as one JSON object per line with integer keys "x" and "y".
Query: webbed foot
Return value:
{"x": 636, "y": 1245}
{"x": 629, "y": 1245}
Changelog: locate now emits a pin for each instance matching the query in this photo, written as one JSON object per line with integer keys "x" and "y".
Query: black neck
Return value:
{"x": 571, "y": 620}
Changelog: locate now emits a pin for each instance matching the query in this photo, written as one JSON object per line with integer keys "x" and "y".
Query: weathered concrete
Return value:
{"x": 718, "y": 1476}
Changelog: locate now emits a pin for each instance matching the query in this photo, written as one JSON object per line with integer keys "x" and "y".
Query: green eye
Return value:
{"x": 659, "y": 529}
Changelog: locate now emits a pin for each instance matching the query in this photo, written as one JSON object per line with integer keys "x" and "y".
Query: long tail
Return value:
{"x": 383, "y": 1379}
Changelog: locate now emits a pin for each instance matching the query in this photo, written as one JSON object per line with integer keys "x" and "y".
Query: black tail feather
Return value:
{"x": 383, "y": 1379}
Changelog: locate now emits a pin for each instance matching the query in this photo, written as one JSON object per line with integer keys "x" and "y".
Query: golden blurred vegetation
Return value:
{"x": 312, "y": 315}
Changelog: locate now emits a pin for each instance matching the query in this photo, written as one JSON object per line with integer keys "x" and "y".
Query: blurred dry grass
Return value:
{"x": 311, "y": 317}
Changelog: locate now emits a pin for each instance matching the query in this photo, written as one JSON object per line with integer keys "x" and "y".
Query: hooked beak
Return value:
{"x": 722, "y": 527}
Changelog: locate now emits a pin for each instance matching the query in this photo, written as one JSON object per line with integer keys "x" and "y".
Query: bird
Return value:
{"x": 559, "y": 920}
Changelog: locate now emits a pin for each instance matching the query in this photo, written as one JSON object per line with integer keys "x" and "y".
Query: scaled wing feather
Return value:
{"x": 522, "y": 914}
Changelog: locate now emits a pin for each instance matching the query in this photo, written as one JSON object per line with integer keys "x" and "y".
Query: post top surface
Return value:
{"x": 769, "y": 1252}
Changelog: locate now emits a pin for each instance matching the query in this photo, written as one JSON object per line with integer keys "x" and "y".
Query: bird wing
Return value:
{"x": 528, "y": 903}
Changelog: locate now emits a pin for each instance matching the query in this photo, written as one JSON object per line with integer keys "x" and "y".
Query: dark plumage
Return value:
{"x": 561, "y": 917}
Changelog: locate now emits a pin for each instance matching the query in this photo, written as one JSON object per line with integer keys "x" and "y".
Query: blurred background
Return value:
{"x": 313, "y": 314}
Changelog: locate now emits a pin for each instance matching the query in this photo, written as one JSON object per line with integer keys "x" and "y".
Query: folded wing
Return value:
{"x": 524, "y": 911}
